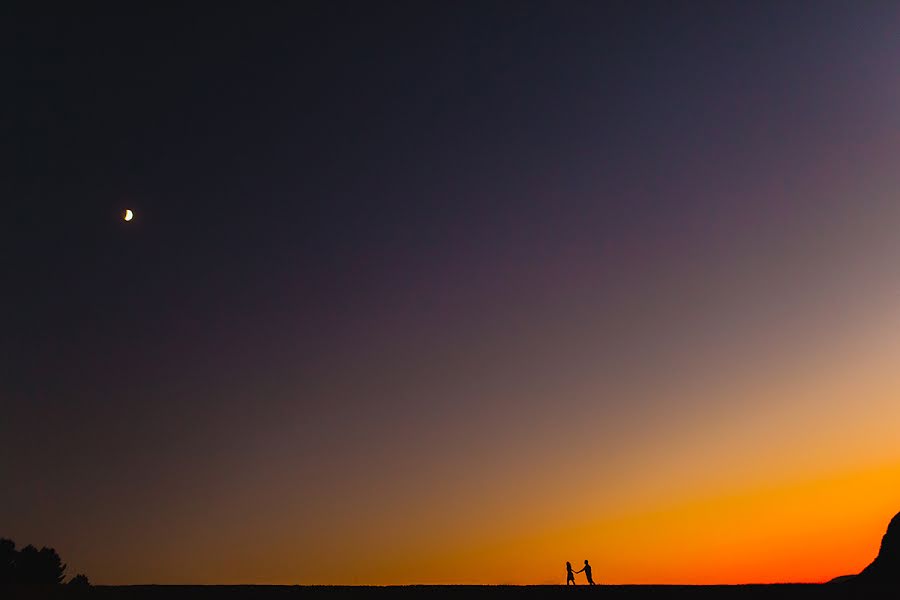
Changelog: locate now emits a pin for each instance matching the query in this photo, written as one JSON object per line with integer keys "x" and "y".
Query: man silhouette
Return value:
{"x": 587, "y": 572}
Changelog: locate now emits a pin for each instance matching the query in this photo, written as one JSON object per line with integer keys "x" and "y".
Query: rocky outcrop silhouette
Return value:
{"x": 886, "y": 566}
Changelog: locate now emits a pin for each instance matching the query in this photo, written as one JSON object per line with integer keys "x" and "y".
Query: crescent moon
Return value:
{"x": 129, "y": 215}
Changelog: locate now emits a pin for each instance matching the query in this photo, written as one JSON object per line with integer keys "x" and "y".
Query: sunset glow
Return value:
{"x": 417, "y": 294}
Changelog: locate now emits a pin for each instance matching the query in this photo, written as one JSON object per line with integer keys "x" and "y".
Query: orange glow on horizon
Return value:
{"x": 804, "y": 532}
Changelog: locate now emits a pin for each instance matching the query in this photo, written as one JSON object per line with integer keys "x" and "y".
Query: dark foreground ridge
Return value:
{"x": 300, "y": 592}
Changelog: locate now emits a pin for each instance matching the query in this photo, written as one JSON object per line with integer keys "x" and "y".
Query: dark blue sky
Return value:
{"x": 267, "y": 148}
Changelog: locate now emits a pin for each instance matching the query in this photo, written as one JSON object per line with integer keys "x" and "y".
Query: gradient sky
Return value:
{"x": 424, "y": 292}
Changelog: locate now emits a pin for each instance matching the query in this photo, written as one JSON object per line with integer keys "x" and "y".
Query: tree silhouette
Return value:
{"x": 7, "y": 561}
{"x": 80, "y": 580}
{"x": 29, "y": 565}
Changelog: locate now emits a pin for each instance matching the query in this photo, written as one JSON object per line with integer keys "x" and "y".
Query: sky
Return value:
{"x": 452, "y": 292}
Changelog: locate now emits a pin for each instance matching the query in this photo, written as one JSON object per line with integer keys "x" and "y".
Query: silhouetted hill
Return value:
{"x": 886, "y": 566}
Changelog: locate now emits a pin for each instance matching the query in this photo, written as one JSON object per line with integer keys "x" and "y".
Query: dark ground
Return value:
{"x": 277, "y": 592}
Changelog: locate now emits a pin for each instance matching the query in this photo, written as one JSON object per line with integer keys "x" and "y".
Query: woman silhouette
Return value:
{"x": 570, "y": 576}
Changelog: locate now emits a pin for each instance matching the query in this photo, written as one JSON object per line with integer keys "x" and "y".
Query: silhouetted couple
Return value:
{"x": 570, "y": 574}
